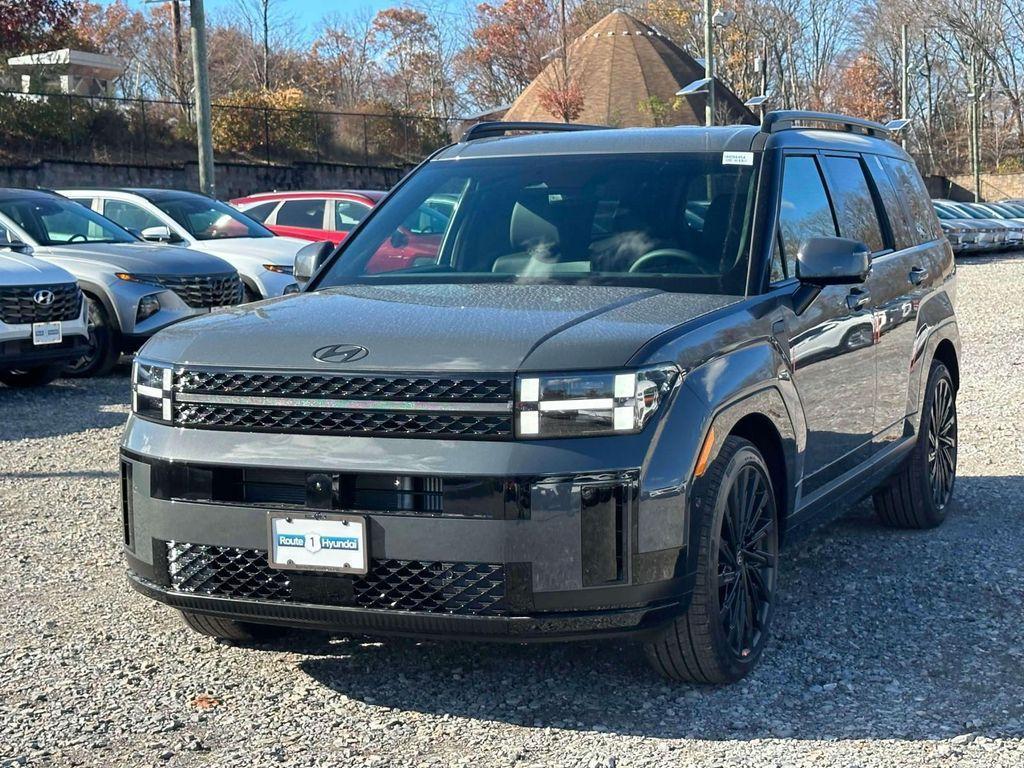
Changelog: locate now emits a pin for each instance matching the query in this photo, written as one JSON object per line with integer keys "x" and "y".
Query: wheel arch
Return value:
{"x": 760, "y": 430}
{"x": 945, "y": 353}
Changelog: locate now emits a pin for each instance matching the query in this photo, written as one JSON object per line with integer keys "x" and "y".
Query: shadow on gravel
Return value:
{"x": 879, "y": 634}
{"x": 65, "y": 407}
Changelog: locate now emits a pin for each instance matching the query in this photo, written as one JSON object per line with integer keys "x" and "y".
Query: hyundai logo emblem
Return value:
{"x": 43, "y": 298}
{"x": 340, "y": 353}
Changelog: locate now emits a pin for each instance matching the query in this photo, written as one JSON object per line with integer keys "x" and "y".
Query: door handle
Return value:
{"x": 917, "y": 275}
{"x": 858, "y": 298}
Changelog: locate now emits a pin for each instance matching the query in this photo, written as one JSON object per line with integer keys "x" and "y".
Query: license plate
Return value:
{"x": 322, "y": 543}
{"x": 47, "y": 333}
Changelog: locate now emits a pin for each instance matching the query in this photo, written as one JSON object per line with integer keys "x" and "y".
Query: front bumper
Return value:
{"x": 575, "y": 546}
{"x": 17, "y": 350}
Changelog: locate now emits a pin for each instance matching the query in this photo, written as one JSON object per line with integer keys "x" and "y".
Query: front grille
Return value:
{"x": 226, "y": 571}
{"x": 18, "y": 306}
{"x": 341, "y": 422}
{"x": 205, "y": 290}
{"x": 417, "y": 388}
{"x": 467, "y": 589}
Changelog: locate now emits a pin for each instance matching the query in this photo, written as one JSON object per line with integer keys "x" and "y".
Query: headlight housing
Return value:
{"x": 151, "y": 391}
{"x": 589, "y": 404}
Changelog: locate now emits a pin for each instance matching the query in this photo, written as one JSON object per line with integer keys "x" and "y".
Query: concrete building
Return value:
{"x": 67, "y": 71}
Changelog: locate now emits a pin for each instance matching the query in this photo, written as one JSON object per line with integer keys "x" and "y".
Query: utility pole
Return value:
{"x": 709, "y": 65}
{"x": 176, "y": 52}
{"x": 204, "y": 127}
{"x": 904, "y": 80}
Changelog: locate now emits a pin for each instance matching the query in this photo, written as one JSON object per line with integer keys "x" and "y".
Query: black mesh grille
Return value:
{"x": 205, "y": 290}
{"x": 337, "y": 422}
{"x": 408, "y": 585}
{"x": 476, "y": 390}
{"x": 226, "y": 571}
{"x": 468, "y": 589}
{"x": 18, "y": 305}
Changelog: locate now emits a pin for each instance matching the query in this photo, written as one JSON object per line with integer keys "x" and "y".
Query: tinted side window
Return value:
{"x": 308, "y": 214}
{"x": 890, "y": 201}
{"x": 855, "y": 207}
{"x": 910, "y": 188}
{"x": 805, "y": 211}
{"x": 347, "y": 214}
{"x": 261, "y": 212}
{"x": 129, "y": 215}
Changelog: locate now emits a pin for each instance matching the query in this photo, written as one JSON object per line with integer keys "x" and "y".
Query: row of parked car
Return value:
{"x": 981, "y": 227}
{"x": 87, "y": 275}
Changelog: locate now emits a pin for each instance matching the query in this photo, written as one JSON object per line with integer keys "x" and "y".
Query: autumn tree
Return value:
{"x": 27, "y": 25}
{"x": 508, "y": 42}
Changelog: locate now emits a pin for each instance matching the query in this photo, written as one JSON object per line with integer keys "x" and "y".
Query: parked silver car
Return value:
{"x": 198, "y": 222}
{"x": 1013, "y": 230}
{"x": 42, "y": 318}
{"x": 977, "y": 233}
{"x": 132, "y": 289}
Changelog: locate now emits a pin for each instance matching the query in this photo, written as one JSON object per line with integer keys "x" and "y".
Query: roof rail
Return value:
{"x": 786, "y": 119}
{"x": 500, "y": 128}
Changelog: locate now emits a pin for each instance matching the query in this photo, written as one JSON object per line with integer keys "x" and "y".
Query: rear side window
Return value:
{"x": 308, "y": 214}
{"x": 855, "y": 207}
{"x": 805, "y": 211}
{"x": 347, "y": 214}
{"x": 910, "y": 188}
{"x": 261, "y": 212}
{"x": 894, "y": 211}
{"x": 129, "y": 215}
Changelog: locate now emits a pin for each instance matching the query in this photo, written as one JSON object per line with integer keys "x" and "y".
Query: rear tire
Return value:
{"x": 39, "y": 376}
{"x": 721, "y": 636}
{"x": 918, "y": 495}
{"x": 229, "y": 630}
{"x": 103, "y": 351}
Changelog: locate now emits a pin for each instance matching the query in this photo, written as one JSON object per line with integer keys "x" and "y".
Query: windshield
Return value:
{"x": 971, "y": 213}
{"x": 678, "y": 222}
{"x": 207, "y": 219}
{"x": 57, "y": 221}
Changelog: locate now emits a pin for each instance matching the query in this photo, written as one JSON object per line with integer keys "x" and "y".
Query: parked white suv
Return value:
{"x": 263, "y": 260}
{"x": 42, "y": 318}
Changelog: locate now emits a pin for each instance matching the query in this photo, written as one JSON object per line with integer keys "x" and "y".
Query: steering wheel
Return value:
{"x": 666, "y": 254}
{"x": 81, "y": 238}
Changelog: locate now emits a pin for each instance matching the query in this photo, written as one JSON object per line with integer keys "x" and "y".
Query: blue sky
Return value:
{"x": 309, "y": 12}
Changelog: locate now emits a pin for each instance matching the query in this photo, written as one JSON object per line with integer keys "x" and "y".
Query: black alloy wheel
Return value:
{"x": 942, "y": 443}
{"x": 747, "y": 561}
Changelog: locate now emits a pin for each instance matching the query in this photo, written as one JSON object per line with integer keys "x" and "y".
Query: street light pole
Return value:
{"x": 709, "y": 65}
{"x": 200, "y": 71}
{"x": 905, "y": 79}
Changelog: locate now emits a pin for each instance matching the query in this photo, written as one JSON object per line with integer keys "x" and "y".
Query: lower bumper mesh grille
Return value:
{"x": 468, "y": 589}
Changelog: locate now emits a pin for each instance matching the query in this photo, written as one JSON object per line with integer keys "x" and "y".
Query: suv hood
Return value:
{"x": 430, "y": 328}
{"x": 19, "y": 269}
{"x": 261, "y": 250}
{"x": 129, "y": 257}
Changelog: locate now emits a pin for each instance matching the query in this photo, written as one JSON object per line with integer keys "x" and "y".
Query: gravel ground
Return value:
{"x": 890, "y": 649}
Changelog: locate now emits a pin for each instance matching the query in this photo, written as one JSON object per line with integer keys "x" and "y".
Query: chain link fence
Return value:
{"x": 152, "y": 132}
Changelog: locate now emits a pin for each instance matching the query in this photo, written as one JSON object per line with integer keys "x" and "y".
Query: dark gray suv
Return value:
{"x": 636, "y": 363}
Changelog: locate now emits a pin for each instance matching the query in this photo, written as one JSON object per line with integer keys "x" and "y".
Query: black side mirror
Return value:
{"x": 825, "y": 261}
{"x": 17, "y": 246}
{"x": 399, "y": 239}
{"x": 310, "y": 258}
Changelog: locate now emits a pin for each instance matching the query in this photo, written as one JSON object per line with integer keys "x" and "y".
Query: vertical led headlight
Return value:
{"x": 582, "y": 404}
{"x": 152, "y": 391}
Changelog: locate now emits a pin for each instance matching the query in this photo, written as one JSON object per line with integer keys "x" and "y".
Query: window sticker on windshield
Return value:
{"x": 737, "y": 158}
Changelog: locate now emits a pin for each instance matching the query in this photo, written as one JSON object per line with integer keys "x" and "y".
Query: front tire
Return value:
{"x": 918, "y": 495}
{"x": 103, "y": 351}
{"x": 721, "y": 636}
{"x": 39, "y": 376}
{"x": 228, "y": 630}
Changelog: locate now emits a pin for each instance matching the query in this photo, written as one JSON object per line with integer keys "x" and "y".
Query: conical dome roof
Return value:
{"x": 622, "y": 67}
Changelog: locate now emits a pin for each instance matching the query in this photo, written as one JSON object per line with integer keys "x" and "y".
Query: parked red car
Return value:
{"x": 317, "y": 216}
